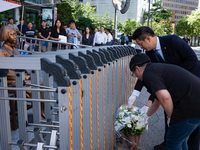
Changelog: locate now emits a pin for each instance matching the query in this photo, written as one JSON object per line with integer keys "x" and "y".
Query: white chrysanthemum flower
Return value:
{"x": 129, "y": 125}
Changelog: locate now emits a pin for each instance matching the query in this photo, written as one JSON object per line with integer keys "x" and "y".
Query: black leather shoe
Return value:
{"x": 162, "y": 146}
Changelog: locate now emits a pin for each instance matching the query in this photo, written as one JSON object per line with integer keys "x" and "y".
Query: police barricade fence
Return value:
{"x": 40, "y": 43}
{"x": 89, "y": 85}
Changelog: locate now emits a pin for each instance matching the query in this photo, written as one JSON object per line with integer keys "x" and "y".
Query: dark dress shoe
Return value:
{"x": 162, "y": 146}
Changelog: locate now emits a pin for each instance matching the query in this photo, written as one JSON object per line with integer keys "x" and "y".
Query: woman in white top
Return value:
{"x": 109, "y": 37}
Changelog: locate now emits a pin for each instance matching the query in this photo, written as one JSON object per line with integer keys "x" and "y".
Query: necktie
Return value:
{"x": 159, "y": 57}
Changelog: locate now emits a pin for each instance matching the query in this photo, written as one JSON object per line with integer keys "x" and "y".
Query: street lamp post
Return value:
{"x": 148, "y": 14}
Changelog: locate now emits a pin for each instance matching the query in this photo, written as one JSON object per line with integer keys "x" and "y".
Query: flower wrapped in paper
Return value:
{"x": 129, "y": 125}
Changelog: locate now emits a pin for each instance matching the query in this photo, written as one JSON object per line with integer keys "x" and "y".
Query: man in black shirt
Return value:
{"x": 44, "y": 33}
{"x": 186, "y": 39}
{"x": 24, "y": 27}
{"x": 168, "y": 49}
{"x": 177, "y": 91}
{"x": 130, "y": 40}
{"x": 30, "y": 32}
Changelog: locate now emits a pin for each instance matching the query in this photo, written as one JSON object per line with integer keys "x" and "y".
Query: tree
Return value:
{"x": 157, "y": 28}
{"x": 160, "y": 13}
{"x": 105, "y": 21}
{"x": 119, "y": 26}
{"x": 129, "y": 26}
{"x": 84, "y": 22}
{"x": 166, "y": 26}
{"x": 64, "y": 12}
{"x": 182, "y": 27}
{"x": 194, "y": 22}
{"x": 80, "y": 10}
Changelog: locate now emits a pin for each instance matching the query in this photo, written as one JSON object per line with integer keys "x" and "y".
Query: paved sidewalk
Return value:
{"x": 155, "y": 133}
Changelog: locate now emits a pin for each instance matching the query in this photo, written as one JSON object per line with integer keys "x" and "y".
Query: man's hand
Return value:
{"x": 70, "y": 34}
{"x": 146, "y": 117}
{"x": 131, "y": 100}
{"x": 58, "y": 39}
{"x": 144, "y": 109}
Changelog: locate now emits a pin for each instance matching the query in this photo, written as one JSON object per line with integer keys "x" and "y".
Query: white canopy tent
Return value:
{"x": 4, "y": 5}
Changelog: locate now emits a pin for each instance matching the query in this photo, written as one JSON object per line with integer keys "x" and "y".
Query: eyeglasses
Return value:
{"x": 132, "y": 74}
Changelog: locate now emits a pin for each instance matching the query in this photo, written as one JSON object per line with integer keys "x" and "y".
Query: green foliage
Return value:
{"x": 130, "y": 26}
{"x": 84, "y": 22}
{"x": 157, "y": 28}
{"x": 64, "y": 12}
{"x": 194, "y": 22}
{"x": 133, "y": 131}
{"x": 105, "y": 21}
{"x": 6, "y": 14}
{"x": 182, "y": 27}
{"x": 189, "y": 25}
{"x": 166, "y": 26}
{"x": 80, "y": 10}
{"x": 160, "y": 13}
{"x": 119, "y": 26}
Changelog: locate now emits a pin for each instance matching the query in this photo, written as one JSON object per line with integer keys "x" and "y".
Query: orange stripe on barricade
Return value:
{"x": 70, "y": 117}
{"x": 81, "y": 114}
{"x": 108, "y": 108}
{"x": 112, "y": 112}
{"x": 91, "y": 111}
{"x": 97, "y": 110}
{"x": 104, "y": 111}
{"x": 115, "y": 95}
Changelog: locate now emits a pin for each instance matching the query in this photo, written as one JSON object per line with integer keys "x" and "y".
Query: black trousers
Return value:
{"x": 194, "y": 138}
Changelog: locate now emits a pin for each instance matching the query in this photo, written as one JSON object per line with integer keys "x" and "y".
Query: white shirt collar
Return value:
{"x": 158, "y": 48}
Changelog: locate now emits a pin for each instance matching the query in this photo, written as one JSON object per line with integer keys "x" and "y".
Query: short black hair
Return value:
{"x": 43, "y": 21}
{"x": 30, "y": 22}
{"x": 103, "y": 27}
{"x": 108, "y": 30}
{"x": 138, "y": 60}
{"x": 142, "y": 32}
{"x": 71, "y": 21}
{"x": 64, "y": 24}
{"x": 9, "y": 19}
{"x": 20, "y": 19}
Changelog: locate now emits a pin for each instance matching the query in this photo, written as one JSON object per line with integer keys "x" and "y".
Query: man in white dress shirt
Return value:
{"x": 100, "y": 38}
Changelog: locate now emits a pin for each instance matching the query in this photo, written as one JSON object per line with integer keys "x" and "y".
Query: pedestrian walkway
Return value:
{"x": 155, "y": 133}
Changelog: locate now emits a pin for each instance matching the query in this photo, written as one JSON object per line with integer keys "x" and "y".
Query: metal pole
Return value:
{"x": 148, "y": 14}
{"x": 115, "y": 34}
{"x": 151, "y": 20}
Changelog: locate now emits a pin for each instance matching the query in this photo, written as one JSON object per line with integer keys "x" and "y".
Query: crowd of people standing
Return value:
{"x": 58, "y": 31}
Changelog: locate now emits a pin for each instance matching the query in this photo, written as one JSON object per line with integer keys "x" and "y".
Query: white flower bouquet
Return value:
{"x": 129, "y": 124}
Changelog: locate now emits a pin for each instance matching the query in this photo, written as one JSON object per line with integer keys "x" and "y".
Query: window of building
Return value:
{"x": 95, "y": 10}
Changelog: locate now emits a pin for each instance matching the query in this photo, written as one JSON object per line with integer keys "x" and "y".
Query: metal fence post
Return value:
{"x": 109, "y": 86}
{"x": 47, "y": 95}
{"x": 5, "y": 131}
{"x": 105, "y": 96}
{"x": 64, "y": 100}
{"x": 100, "y": 100}
{"x": 36, "y": 95}
{"x": 21, "y": 106}
{"x": 77, "y": 102}
{"x": 87, "y": 102}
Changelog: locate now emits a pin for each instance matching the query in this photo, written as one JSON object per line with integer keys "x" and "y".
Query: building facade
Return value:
{"x": 180, "y": 8}
{"x": 135, "y": 10}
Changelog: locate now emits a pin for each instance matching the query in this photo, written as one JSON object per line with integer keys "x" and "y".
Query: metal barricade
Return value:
{"x": 90, "y": 84}
{"x": 49, "y": 46}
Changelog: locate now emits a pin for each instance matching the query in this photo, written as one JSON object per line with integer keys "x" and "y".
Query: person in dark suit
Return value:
{"x": 172, "y": 50}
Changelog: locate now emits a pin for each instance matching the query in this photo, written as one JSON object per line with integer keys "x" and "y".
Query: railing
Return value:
{"x": 89, "y": 85}
{"x": 49, "y": 47}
